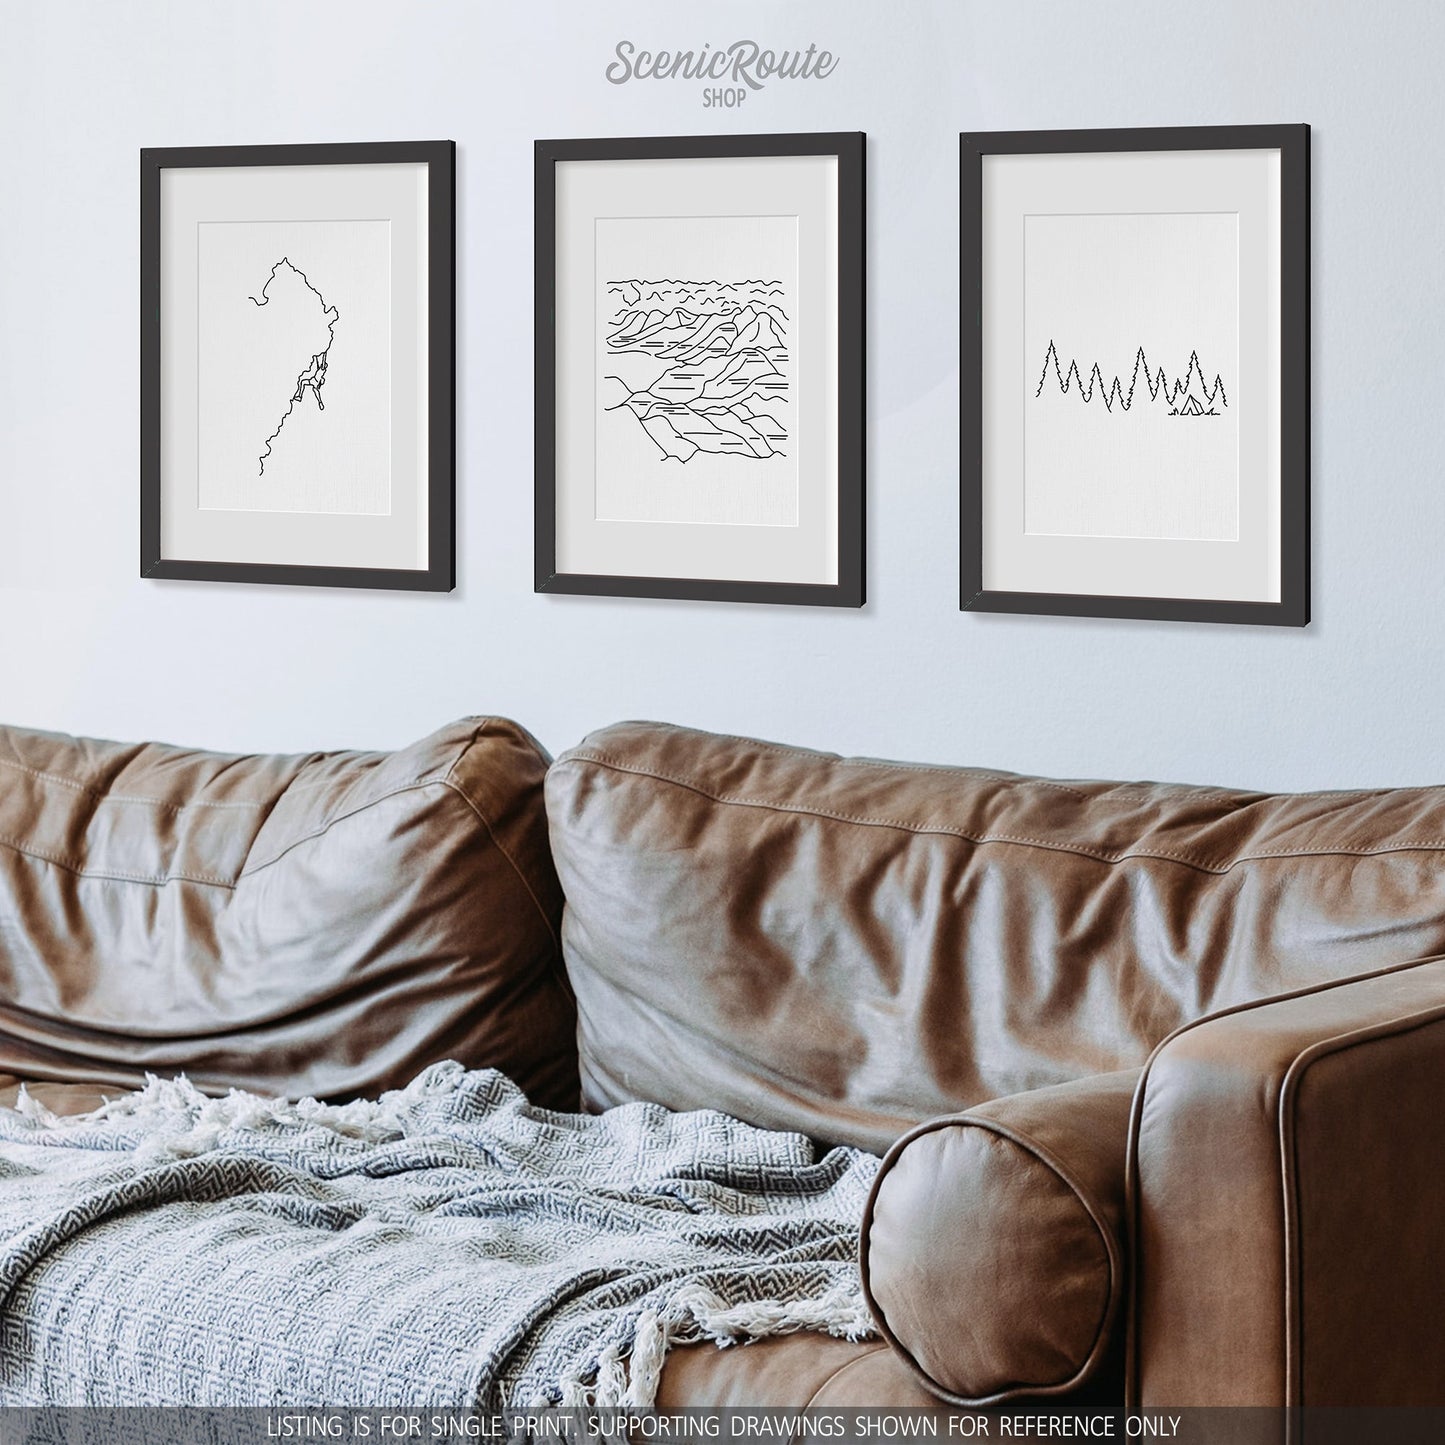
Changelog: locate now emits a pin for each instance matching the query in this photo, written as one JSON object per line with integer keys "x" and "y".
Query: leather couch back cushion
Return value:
{"x": 848, "y": 947}
{"x": 325, "y": 924}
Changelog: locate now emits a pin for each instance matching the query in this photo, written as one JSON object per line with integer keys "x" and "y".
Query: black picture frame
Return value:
{"x": 1292, "y": 142}
{"x": 849, "y": 149}
{"x": 440, "y": 159}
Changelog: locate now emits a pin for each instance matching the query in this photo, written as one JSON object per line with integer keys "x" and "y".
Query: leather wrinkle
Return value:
{"x": 354, "y": 991}
{"x": 748, "y": 1063}
{"x": 418, "y": 921}
{"x": 450, "y": 780}
{"x": 472, "y": 803}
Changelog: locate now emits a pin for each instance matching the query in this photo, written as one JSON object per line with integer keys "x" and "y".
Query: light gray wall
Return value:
{"x": 85, "y": 645}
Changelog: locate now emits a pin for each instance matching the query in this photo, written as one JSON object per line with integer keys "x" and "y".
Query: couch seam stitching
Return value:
{"x": 153, "y": 880}
{"x": 417, "y": 785}
{"x": 887, "y": 765}
{"x": 158, "y": 880}
{"x": 1022, "y": 840}
{"x": 782, "y": 750}
{"x": 843, "y": 1368}
{"x": 102, "y": 796}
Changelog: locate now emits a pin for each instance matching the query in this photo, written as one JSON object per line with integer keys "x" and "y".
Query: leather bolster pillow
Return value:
{"x": 992, "y": 1250}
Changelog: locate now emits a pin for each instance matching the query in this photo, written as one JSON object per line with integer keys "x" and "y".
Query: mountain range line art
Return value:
{"x": 713, "y": 363}
{"x": 1191, "y": 395}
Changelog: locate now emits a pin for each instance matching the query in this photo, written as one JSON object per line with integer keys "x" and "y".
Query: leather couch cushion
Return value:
{"x": 325, "y": 924}
{"x": 993, "y": 1250}
{"x": 849, "y": 947}
{"x": 788, "y": 1372}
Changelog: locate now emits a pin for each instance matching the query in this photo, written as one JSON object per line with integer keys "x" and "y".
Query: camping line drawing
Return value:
{"x": 1190, "y": 396}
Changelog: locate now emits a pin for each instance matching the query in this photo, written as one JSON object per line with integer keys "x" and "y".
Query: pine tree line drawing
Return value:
{"x": 1190, "y": 396}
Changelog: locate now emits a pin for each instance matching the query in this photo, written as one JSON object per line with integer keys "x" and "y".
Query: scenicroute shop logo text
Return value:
{"x": 728, "y": 72}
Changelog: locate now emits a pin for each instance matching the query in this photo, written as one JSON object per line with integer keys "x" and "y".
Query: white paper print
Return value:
{"x": 695, "y": 365}
{"x": 1131, "y": 358}
{"x": 294, "y": 367}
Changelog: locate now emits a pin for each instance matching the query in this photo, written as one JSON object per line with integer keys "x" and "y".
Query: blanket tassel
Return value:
{"x": 649, "y": 1350}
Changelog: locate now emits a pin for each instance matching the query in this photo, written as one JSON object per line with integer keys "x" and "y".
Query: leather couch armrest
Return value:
{"x": 992, "y": 1251}
{"x": 1287, "y": 1201}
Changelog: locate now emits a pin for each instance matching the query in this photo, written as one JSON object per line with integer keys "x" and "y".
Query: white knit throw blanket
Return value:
{"x": 447, "y": 1244}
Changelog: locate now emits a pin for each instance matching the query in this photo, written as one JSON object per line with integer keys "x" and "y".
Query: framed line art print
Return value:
{"x": 297, "y": 364}
{"x": 1135, "y": 373}
{"x": 699, "y": 355}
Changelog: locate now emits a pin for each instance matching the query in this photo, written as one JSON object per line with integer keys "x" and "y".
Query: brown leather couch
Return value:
{"x": 1154, "y": 1069}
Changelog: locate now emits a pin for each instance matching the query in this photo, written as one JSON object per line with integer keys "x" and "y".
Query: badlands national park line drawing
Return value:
{"x": 701, "y": 365}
